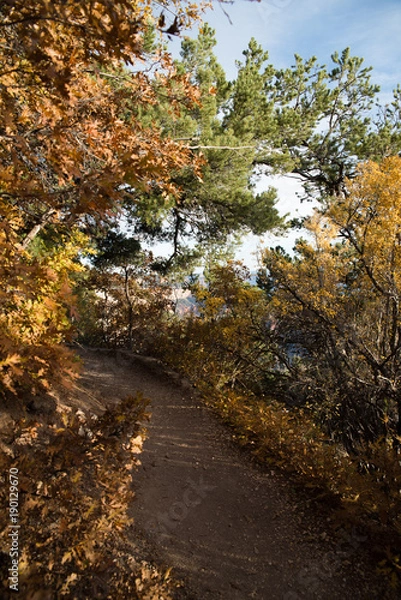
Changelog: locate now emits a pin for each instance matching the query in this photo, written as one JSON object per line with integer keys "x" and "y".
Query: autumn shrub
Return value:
{"x": 74, "y": 490}
{"x": 36, "y": 309}
{"x": 291, "y": 440}
{"x": 223, "y": 341}
{"x": 338, "y": 298}
{"x": 123, "y": 304}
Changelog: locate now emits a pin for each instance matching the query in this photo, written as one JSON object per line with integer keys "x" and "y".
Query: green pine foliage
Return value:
{"x": 219, "y": 199}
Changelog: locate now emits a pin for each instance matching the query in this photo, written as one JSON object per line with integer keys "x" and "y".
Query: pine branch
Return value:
{"x": 220, "y": 147}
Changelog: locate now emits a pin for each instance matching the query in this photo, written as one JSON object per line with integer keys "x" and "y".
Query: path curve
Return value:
{"x": 228, "y": 529}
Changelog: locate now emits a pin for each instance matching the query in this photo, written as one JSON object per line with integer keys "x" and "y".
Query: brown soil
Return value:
{"x": 229, "y": 529}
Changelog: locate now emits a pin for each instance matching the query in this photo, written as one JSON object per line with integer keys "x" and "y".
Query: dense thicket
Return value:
{"x": 337, "y": 305}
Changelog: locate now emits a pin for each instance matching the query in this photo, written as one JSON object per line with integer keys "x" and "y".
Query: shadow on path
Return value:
{"x": 228, "y": 529}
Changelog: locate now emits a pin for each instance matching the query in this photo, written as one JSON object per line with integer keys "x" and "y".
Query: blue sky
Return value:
{"x": 372, "y": 29}
{"x": 308, "y": 27}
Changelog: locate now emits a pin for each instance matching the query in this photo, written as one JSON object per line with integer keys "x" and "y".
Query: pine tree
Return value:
{"x": 220, "y": 200}
{"x": 313, "y": 122}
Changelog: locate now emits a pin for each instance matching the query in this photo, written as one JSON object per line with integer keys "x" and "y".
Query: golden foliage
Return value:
{"x": 341, "y": 296}
{"x": 36, "y": 302}
{"x": 66, "y": 148}
{"x": 73, "y": 147}
{"x": 223, "y": 341}
{"x": 75, "y": 487}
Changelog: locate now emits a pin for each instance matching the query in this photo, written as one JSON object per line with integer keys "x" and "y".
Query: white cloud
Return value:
{"x": 289, "y": 201}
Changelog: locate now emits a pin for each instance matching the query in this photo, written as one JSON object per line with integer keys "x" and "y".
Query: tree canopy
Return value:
{"x": 66, "y": 151}
{"x": 313, "y": 122}
{"x": 220, "y": 198}
{"x": 68, "y": 158}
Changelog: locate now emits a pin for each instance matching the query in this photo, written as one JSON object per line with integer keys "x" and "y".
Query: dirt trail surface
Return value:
{"x": 228, "y": 529}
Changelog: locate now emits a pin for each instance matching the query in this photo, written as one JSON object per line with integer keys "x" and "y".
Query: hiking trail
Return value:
{"x": 229, "y": 529}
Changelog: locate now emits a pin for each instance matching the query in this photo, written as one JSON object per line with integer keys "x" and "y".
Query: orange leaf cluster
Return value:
{"x": 66, "y": 148}
{"x": 72, "y": 146}
{"x": 75, "y": 479}
{"x": 35, "y": 303}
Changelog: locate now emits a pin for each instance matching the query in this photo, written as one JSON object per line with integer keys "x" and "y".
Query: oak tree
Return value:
{"x": 68, "y": 158}
{"x": 337, "y": 305}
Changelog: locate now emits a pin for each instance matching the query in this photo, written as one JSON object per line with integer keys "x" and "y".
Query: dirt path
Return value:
{"x": 228, "y": 529}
